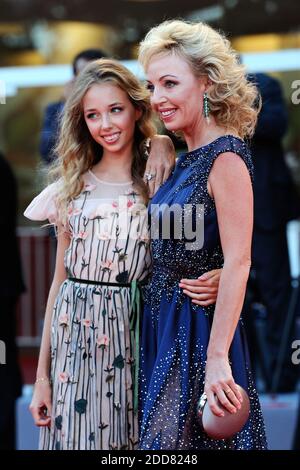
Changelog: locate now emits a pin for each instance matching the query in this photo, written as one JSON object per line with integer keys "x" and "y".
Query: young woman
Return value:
{"x": 85, "y": 394}
{"x": 199, "y": 88}
{"x": 97, "y": 205}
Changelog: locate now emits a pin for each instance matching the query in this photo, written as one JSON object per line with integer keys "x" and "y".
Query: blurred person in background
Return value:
{"x": 50, "y": 129}
{"x": 11, "y": 287}
{"x": 275, "y": 203}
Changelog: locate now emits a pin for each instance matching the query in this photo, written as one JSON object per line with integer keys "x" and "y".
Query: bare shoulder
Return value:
{"x": 229, "y": 164}
{"x": 229, "y": 173}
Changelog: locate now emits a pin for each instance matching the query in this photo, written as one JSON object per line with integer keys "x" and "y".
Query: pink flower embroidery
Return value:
{"x": 103, "y": 235}
{"x": 81, "y": 235}
{"x": 138, "y": 209}
{"x": 129, "y": 203}
{"x": 144, "y": 238}
{"x": 63, "y": 319}
{"x": 115, "y": 204}
{"x": 89, "y": 187}
{"x": 63, "y": 377}
{"x": 103, "y": 341}
{"x": 86, "y": 322}
{"x": 108, "y": 265}
{"x": 108, "y": 297}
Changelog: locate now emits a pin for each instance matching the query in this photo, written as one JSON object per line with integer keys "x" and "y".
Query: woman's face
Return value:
{"x": 110, "y": 117}
{"x": 176, "y": 93}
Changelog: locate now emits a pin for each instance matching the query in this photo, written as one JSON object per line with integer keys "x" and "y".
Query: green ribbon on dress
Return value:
{"x": 135, "y": 337}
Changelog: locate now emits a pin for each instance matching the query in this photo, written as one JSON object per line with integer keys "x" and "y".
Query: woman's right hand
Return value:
{"x": 204, "y": 290}
{"x": 160, "y": 163}
{"x": 41, "y": 404}
{"x": 220, "y": 386}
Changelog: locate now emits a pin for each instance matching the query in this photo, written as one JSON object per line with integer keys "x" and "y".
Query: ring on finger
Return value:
{"x": 150, "y": 176}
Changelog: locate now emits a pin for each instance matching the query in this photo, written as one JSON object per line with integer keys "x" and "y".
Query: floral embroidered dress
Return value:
{"x": 175, "y": 332}
{"x": 92, "y": 342}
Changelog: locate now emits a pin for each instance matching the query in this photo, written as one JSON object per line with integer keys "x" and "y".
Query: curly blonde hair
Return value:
{"x": 77, "y": 151}
{"x": 234, "y": 102}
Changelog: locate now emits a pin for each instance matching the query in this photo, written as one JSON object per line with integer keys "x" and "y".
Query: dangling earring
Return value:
{"x": 206, "y": 108}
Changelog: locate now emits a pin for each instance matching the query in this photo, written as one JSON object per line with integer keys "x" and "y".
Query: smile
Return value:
{"x": 111, "y": 138}
{"x": 167, "y": 113}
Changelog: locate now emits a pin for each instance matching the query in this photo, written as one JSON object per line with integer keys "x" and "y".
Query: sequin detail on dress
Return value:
{"x": 176, "y": 332}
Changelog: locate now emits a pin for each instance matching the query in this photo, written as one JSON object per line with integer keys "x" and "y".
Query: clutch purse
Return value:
{"x": 223, "y": 427}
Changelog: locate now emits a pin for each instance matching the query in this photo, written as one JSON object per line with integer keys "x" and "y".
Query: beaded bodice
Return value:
{"x": 175, "y": 258}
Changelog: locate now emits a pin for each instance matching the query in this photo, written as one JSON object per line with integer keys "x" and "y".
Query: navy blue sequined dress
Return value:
{"x": 175, "y": 332}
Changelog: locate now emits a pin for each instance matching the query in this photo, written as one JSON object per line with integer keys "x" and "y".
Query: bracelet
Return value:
{"x": 42, "y": 379}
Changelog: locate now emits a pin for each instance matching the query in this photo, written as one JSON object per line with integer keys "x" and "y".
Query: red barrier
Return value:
{"x": 37, "y": 249}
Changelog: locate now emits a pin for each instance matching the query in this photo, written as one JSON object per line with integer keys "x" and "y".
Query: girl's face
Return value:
{"x": 110, "y": 117}
{"x": 176, "y": 93}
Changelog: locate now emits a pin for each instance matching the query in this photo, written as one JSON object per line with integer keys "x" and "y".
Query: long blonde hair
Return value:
{"x": 234, "y": 101}
{"x": 77, "y": 151}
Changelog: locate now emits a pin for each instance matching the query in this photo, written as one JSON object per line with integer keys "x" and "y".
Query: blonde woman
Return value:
{"x": 198, "y": 88}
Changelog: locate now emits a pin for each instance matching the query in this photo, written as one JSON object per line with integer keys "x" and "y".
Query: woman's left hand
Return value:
{"x": 204, "y": 290}
{"x": 220, "y": 384}
{"x": 160, "y": 163}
